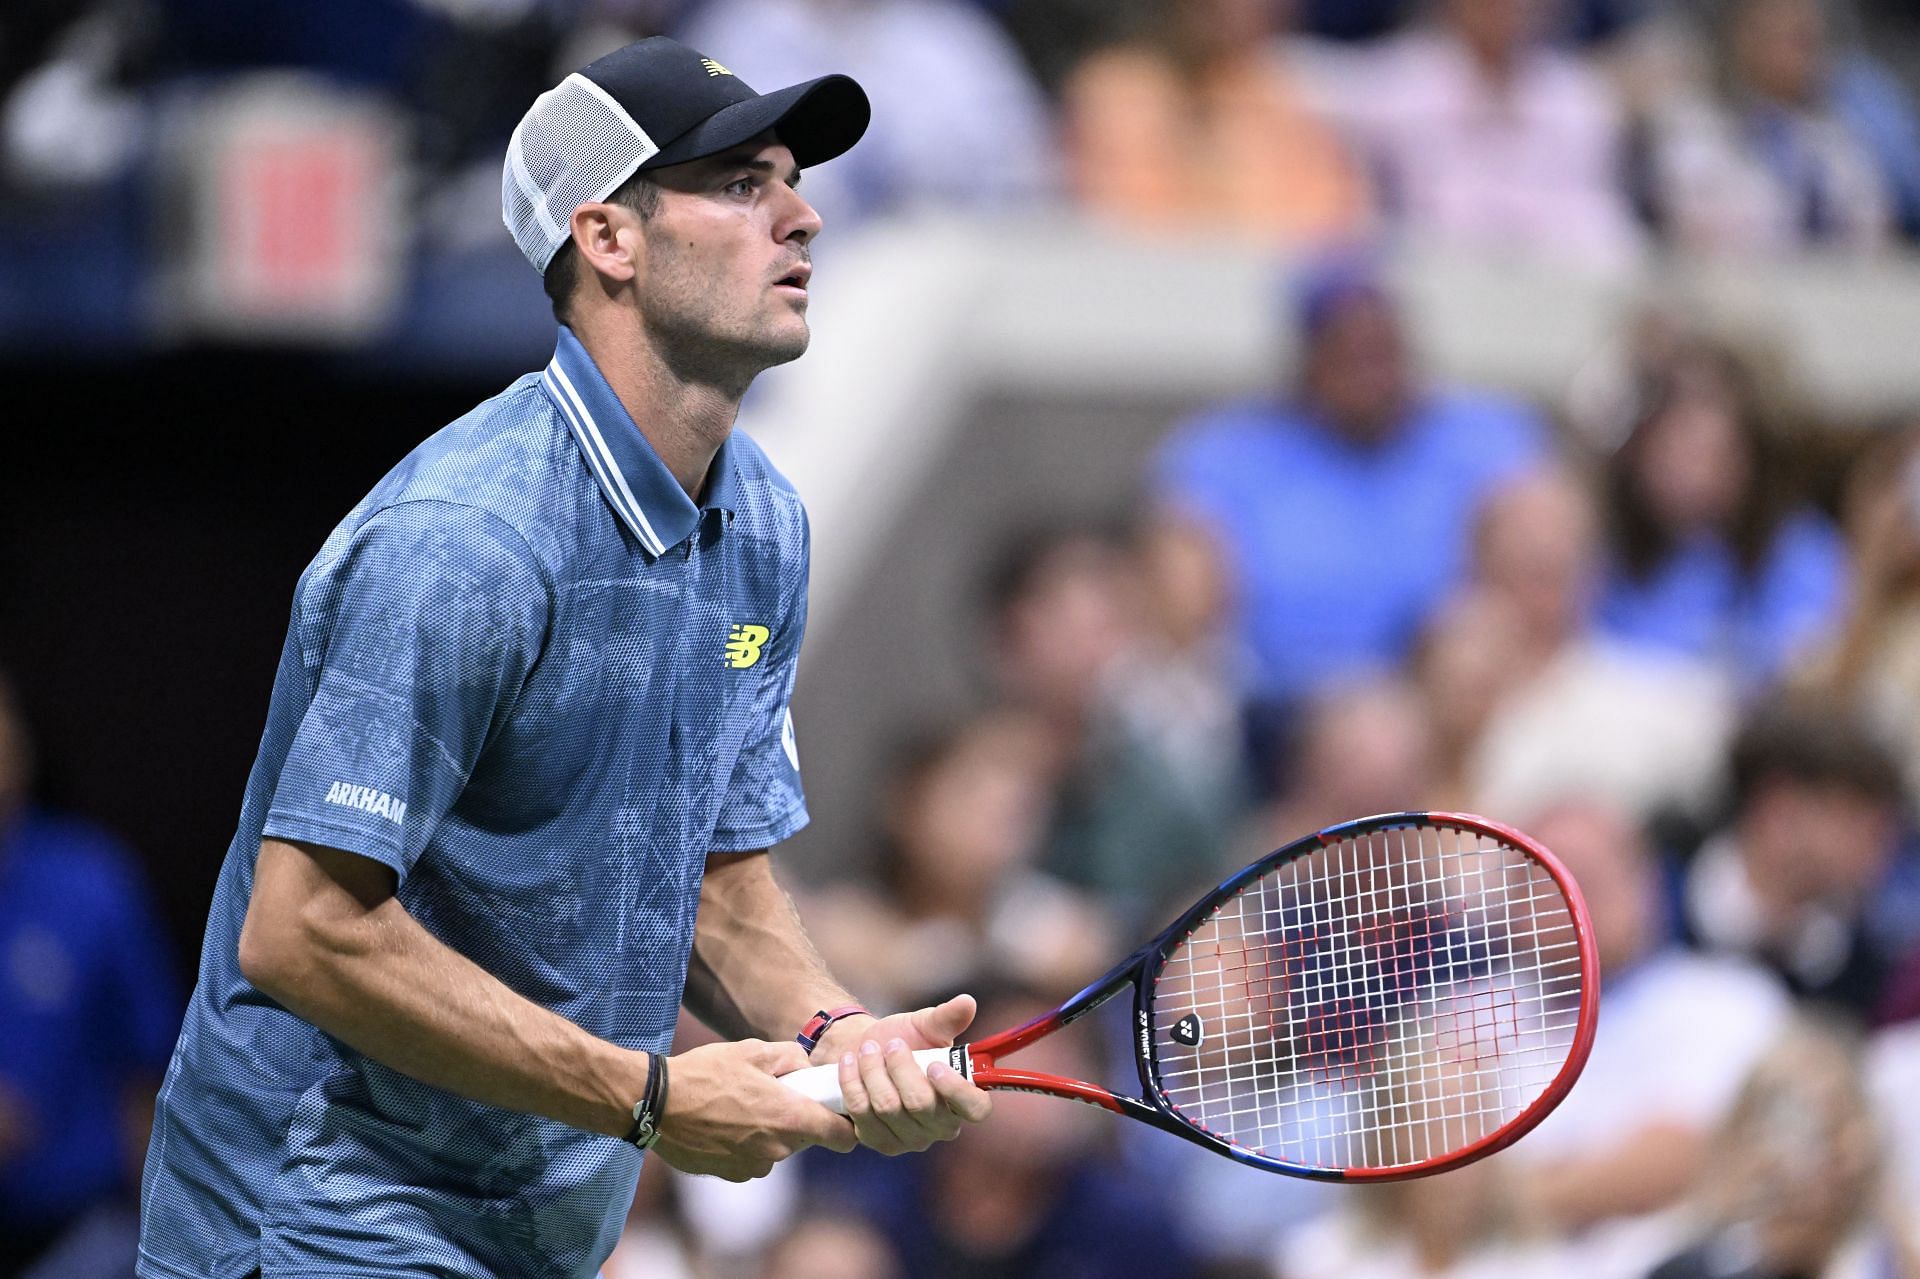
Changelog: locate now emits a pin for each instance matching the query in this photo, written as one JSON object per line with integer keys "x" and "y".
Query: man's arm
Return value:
{"x": 754, "y": 972}
{"x": 326, "y": 937}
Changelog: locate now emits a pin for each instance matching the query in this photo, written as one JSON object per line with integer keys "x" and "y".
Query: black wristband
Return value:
{"x": 651, "y": 1108}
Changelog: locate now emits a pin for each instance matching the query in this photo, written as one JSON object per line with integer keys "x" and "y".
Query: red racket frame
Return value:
{"x": 1139, "y": 969}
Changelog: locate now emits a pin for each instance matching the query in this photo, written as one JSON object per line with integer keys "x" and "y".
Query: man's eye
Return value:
{"x": 740, "y": 186}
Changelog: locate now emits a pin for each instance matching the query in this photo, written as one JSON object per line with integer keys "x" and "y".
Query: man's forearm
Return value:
{"x": 352, "y": 961}
{"x": 753, "y": 971}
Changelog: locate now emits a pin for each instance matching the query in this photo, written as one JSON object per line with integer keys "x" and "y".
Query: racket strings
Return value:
{"x": 1380, "y": 1002}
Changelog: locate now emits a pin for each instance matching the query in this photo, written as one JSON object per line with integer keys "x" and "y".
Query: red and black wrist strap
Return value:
{"x": 651, "y": 1108}
{"x": 817, "y": 1024}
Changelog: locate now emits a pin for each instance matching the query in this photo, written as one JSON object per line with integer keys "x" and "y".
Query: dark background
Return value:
{"x": 154, "y": 517}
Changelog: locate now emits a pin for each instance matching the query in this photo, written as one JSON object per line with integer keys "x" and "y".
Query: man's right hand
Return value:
{"x": 728, "y": 1116}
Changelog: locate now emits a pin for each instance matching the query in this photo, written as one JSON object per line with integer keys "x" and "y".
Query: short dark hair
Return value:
{"x": 1814, "y": 743}
{"x": 639, "y": 193}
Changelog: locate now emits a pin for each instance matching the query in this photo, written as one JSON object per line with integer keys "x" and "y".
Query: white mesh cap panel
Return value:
{"x": 574, "y": 146}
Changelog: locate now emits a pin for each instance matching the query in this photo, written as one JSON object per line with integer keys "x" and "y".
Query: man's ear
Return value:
{"x": 607, "y": 238}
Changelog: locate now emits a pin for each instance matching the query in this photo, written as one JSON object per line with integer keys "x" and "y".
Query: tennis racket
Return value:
{"x": 1388, "y": 998}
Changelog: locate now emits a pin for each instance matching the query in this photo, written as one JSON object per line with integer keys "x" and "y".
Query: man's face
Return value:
{"x": 723, "y": 281}
{"x": 1818, "y": 841}
{"x": 1357, "y": 370}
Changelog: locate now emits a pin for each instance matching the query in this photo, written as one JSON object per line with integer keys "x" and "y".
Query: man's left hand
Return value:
{"x": 895, "y": 1107}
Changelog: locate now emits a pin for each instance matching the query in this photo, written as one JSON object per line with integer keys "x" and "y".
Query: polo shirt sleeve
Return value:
{"x": 765, "y": 803}
{"x": 417, "y": 638}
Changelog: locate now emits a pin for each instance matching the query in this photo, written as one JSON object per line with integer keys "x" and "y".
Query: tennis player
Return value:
{"x": 527, "y": 747}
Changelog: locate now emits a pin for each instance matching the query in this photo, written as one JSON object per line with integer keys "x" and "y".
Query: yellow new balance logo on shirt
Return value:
{"x": 744, "y": 644}
{"x": 714, "y": 68}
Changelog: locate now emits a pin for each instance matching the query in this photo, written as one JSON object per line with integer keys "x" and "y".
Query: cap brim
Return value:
{"x": 817, "y": 120}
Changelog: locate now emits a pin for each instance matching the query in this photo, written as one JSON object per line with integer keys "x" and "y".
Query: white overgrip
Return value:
{"x": 822, "y": 1083}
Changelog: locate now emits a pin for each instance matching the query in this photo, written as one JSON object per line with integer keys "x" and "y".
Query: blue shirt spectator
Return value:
{"x": 1713, "y": 554}
{"x": 1344, "y": 510}
{"x": 1700, "y": 602}
{"x": 89, "y": 1008}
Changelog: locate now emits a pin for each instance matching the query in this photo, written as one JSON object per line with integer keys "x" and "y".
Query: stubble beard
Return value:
{"x": 725, "y": 348}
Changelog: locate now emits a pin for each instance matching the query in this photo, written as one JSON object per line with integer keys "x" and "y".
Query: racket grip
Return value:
{"x": 822, "y": 1083}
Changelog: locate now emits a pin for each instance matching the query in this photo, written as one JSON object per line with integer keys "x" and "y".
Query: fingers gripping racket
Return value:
{"x": 1388, "y": 998}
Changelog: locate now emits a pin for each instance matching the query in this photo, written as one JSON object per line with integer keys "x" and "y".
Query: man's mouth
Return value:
{"x": 796, "y": 278}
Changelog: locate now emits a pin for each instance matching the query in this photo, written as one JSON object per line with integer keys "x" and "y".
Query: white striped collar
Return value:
{"x": 637, "y": 484}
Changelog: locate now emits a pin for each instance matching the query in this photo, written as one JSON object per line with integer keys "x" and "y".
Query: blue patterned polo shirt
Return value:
{"x": 533, "y": 677}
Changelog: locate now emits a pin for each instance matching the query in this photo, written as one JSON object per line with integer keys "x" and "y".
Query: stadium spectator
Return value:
{"x": 1779, "y": 151}
{"x": 1794, "y": 1182}
{"x": 1341, "y": 504}
{"x": 1893, "y": 1078}
{"x": 1463, "y": 669}
{"x": 1205, "y": 123}
{"x": 1361, "y": 748}
{"x": 964, "y": 812}
{"x": 1143, "y": 805}
{"x": 1034, "y": 1191}
{"x": 958, "y": 122}
{"x": 1873, "y": 661}
{"x": 1629, "y": 1140}
{"x": 1789, "y": 881}
{"x": 1178, "y": 694}
{"x": 1715, "y": 555}
{"x": 1579, "y": 710}
{"x": 1873, "y": 665}
{"x": 1486, "y": 138}
{"x": 88, "y": 1008}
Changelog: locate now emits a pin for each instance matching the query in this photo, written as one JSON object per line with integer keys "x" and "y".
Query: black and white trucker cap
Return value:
{"x": 653, "y": 103}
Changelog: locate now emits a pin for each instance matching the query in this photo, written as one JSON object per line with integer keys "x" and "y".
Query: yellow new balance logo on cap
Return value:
{"x": 744, "y": 644}
{"x": 713, "y": 69}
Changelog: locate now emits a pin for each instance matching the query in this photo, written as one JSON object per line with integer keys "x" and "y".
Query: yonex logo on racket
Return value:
{"x": 744, "y": 644}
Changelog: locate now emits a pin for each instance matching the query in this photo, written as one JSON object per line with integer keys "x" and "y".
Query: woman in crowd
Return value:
{"x": 1715, "y": 555}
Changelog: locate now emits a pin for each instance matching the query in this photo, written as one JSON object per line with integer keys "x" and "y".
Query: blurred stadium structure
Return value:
{"x": 250, "y": 253}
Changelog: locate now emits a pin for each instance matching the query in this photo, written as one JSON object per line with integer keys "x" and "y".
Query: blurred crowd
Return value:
{"x": 1675, "y": 639}
{"x": 1670, "y": 625}
{"x": 1586, "y": 132}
